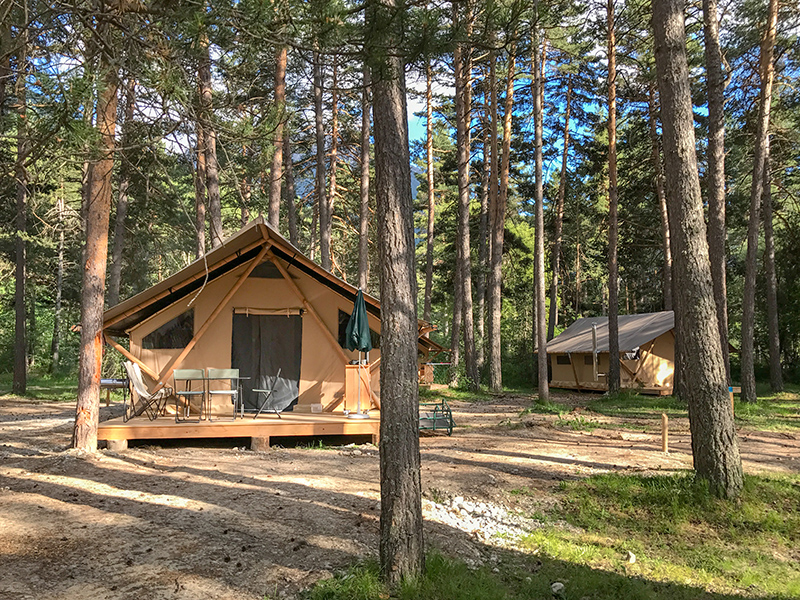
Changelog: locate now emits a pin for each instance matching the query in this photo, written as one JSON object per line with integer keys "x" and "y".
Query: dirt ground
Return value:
{"x": 213, "y": 520}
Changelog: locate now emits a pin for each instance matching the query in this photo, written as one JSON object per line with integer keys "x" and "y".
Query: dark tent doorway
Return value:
{"x": 264, "y": 345}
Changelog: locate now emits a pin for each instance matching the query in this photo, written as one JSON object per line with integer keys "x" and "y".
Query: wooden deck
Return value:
{"x": 260, "y": 429}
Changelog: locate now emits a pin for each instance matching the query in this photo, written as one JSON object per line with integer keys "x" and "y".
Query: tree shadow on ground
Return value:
{"x": 151, "y": 528}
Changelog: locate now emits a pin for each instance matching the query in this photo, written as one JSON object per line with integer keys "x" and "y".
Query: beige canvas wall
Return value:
{"x": 656, "y": 368}
{"x": 322, "y": 367}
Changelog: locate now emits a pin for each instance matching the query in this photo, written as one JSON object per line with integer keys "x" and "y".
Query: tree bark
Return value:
{"x": 94, "y": 271}
{"x": 767, "y": 73}
{"x": 115, "y": 269}
{"x": 658, "y": 171}
{"x": 55, "y": 345}
{"x": 613, "y": 375}
{"x": 401, "y": 541}
{"x": 483, "y": 254}
{"x": 715, "y": 176}
{"x": 276, "y": 174}
{"x": 363, "y": 213}
{"x": 773, "y": 328}
{"x": 20, "y": 379}
{"x": 562, "y": 187}
{"x": 6, "y": 43}
{"x": 321, "y": 195}
{"x": 455, "y": 329}
{"x": 289, "y": 191}
{"x": 426, "y": 311}
{"x": 497, "y": 218}
{"x": 326, "y": 227}
{"x": 540, "y": 312}
{"x": 210, "y": 146}
{"x": 463, "y": 100}
{"x": 200, "y": 193}
{"x": 714, "y": 444}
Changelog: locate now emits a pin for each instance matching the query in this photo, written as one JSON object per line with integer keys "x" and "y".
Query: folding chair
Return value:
{"x": 266, "y": 404}
{"x": 185, "y": 381}
{"x": 151, "y": 403}
{"x": 232, "y": 377}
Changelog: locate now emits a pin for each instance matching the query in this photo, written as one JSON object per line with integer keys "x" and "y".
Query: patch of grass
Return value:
{"x": 772, "y": 411}
{"x": 576, "y": 423}
{"x": 464, "y": 395}
{"x": 361, "y": 582}
{"x": 629, "y": 404}
{"x": 444, "y": 579}
{"x": 44, "y": 387}
{"x": 542, "y": 407}
{"x": 680, "y": 533}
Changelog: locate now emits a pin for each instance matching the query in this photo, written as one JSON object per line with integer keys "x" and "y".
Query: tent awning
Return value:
{"x": 634, "y": 330}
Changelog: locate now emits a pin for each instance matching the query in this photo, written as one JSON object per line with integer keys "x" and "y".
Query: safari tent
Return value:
{"x": 257, "y": 304}
{"x": 647, "y": 353}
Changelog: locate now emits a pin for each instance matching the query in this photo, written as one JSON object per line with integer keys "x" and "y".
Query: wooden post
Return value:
{"x": 664, "y": 433}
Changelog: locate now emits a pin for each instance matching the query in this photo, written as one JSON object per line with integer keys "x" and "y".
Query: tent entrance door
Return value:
{"x": 263, "y": 346}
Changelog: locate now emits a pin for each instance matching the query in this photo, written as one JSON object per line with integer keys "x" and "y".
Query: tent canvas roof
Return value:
{"x": 634, "y": 330}
{"x": 236, "y": 250}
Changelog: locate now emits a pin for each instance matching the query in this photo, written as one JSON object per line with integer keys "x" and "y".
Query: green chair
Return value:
{"x": 189, "y": 384}
{"x": 233, "y": 391}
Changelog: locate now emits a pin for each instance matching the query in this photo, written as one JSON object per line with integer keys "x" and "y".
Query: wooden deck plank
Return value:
{"x": 264, "y": 426}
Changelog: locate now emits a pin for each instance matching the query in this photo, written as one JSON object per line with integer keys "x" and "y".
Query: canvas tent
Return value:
{"x": 647, "y": 353}
{"x": 255, "y": 303}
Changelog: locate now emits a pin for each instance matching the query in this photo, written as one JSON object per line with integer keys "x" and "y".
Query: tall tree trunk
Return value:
{"x": 655, "y": 157}
{"x": 463, "y": 92}
{"x": 6, "y": 43}
{"x": 321, "y": 194}
{"x": 363, "y": 212}
{"x": 455, "y": 329}
{"x": 714, "y": 444}
{"x": 767, "y": 73}
{"x": 55, "y": 345}
{"x": 613, "y": 375}
{"x": 200, "y": 193}
{"x": 20, "y": 380}
{"x": 540, "y": 312}
{"x": 715, "y": 175}
{"x": 426, "y": 311}
{"x": 275, "y": 175}
{"x": 288, "y": 190}
{"x": 334, "y": 162}
{"x": 562, "y": 187}
{"x": 775, "y": 375}
{"x": 401, "y": 542}
{"x": 94, "y": 271}
{"x": 483, "y": 254}
{"x": 115, "y": 269}
{"x": 210, "y": 146}
{"x": 497, "y": 219}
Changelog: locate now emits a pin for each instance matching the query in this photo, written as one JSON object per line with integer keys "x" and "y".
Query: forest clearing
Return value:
{"x": 233, "y": 209}
{"x": 213, "y": 520}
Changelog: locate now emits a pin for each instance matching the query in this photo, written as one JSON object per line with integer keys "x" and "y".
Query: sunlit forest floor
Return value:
{"x": 521, "y": 497}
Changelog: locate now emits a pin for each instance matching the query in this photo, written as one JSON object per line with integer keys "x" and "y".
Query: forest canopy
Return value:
{"x": 221, "y": 111}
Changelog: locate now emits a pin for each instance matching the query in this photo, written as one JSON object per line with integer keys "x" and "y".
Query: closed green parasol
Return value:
{"x": 357, "y": 337}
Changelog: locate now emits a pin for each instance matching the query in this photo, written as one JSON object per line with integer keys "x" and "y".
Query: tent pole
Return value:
{"x": 121, "y": 349}
{"x": 183, "y": 283}
{"x": 175, "y": 362}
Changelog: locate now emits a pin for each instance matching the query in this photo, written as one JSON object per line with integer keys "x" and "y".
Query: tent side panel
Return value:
{"x": 322, "y": 368}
